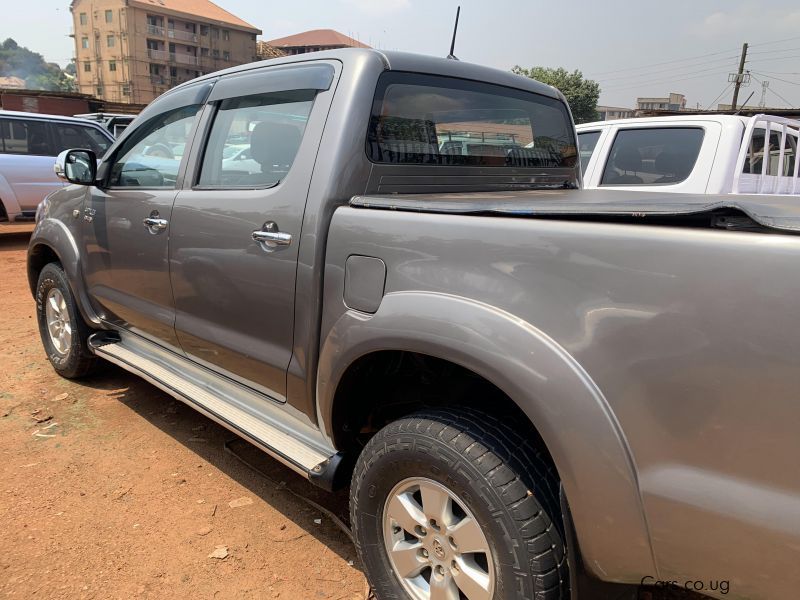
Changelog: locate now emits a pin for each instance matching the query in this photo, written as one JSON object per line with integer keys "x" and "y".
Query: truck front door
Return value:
{"x": 126, "y": 219}
{"x": 235, "y": 228}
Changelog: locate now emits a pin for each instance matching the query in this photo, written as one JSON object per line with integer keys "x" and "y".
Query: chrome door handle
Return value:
{"x": 154, "y": 224}
{"x": 272, "y": 239}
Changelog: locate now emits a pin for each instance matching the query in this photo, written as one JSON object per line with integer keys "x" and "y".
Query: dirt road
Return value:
{"x": 110, "y": 489}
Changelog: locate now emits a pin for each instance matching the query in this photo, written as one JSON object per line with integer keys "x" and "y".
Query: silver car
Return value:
{"x": 29, "y": 143}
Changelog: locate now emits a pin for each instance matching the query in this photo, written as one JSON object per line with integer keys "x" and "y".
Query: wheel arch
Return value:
{"x": 556, "y": 395}
{"x": 8, "y": 200}
{"x": 53, "y": 242}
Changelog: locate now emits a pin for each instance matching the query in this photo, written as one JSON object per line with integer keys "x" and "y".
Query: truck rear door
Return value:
{"x": 235, "y": 229}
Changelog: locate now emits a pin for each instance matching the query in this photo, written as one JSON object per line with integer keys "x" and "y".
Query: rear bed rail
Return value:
{"x": 779, "y": 176}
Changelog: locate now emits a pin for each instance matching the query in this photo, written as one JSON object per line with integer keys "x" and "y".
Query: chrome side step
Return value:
{"x": 266, "y": 424}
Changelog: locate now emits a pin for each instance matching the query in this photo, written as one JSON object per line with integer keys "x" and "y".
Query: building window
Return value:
{"x": 84, "y": 19}
{"x": 84, "y": 42}
{"x": 215, "y": 33}
{"x": 109, "y": 16}
{"x": 87, "y": 67}
{"x": 215, "y": 53}
{"x": 155, "y": 69}
{"x": 203, "y": 51}
{"x": 203, "y": 29}
{"x": 112, "y": 65}
{"x": 226, "y": 55}
{"x": 226, "y": 35}
{"x": 99, "y": 90}
{"x": 110, "y": 41}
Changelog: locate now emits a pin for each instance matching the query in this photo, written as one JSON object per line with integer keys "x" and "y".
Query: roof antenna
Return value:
{"x": 455, "y": 31}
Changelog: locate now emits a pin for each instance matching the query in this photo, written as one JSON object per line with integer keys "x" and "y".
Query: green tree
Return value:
{"x": 17, "y": 61}
{"x": 581, "y": 94}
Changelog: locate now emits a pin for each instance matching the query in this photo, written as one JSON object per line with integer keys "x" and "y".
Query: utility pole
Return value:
{"x": 739, "y": 77}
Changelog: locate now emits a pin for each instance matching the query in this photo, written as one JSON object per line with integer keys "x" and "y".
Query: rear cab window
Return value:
{"x": 432, "y": 120}
{"x": 652, "y": 155}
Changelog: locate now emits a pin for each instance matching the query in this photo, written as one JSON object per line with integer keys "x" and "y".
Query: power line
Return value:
{"x": 776, "y": 78}
{"x": 797, "y": 37}
{"x": 660, "y": 81}
{"x": 789, "y": 104}
{"x": 675, "y": 68}
{"x": 721, "y": 94}
{"x": 668, "y": 62}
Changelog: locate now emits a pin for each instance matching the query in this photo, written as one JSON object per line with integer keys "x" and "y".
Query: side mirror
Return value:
{"x": 77, "y": 166}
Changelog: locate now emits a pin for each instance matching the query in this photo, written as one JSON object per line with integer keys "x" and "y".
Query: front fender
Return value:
{"x": 57, "y": 238}
{"x": 563, "y": 403}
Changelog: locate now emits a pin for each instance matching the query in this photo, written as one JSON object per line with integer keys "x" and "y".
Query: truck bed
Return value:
{"x": 777, "y": 213}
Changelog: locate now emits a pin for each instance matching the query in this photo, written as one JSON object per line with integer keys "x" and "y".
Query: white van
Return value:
{"x": 29, "y": 143}
{"x": 699, "y": 154}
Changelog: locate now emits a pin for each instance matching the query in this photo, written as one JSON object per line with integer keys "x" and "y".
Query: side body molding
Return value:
{"x": 569, "y": 411}
{"x": 55, "y": 235}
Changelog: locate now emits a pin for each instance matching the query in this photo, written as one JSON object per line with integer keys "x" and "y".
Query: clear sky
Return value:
{"x": 632, "y": 48}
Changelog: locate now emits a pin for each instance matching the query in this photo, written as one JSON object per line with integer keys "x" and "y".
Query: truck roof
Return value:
{"x": 42, "y": 116}
{"x": 401, "y": 61}
{"x": 725, "y": 119}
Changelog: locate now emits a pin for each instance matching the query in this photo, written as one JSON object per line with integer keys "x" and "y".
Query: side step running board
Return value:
{"x": 246, "y": 413}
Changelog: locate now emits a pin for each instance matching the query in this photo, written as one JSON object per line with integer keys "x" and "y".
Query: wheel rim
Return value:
{"x": 435, "y": 545}
{"x": 59, "y": 325}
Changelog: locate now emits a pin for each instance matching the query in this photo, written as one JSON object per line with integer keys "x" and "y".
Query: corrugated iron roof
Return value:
{"x": 204, "y": 9}
{"x": 317, "y": 37}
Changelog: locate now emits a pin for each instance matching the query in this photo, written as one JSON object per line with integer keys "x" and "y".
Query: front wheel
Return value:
{"x": 62, "y": 329}
{"x": 454, "y": 505}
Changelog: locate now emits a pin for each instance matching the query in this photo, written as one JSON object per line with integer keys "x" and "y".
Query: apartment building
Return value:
{"x": 672, "y": 102}
{"x": 612, "y": 113}
{"x": 134, "y": 50}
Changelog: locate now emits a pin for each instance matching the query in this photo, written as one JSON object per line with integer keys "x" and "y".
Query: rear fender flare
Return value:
{"x": 560, "y": 399}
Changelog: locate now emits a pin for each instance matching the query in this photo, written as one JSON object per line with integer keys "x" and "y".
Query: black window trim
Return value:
{"x": 654, "y": 126}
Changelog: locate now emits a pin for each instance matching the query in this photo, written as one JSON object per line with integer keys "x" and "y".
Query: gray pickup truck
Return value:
{"x": 378, "y": 268}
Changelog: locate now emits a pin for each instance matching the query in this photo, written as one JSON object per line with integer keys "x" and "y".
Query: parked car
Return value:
{"x": 521, "y": 382}
{"x": 115, "y": 123}
{"x": 29, "y": 143}
{"x": 703, "y": 154}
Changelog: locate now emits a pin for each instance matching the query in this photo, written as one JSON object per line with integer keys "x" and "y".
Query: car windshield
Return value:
{"x": 422, "y": 119}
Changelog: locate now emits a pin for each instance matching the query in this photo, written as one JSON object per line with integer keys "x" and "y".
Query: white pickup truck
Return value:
{"x": 699, "y": 154}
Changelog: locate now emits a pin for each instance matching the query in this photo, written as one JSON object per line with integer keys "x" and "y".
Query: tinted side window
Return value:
{"x": 70, "y": 135}
{"x": 26, "y": 137}
{"x": 586, "y": 144}
{"x": 652, "y": 156}
{"x": 151, "y": 156}
{"x": 254, "y": 139}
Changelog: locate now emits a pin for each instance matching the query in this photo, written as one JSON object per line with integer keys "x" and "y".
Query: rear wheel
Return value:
{"x": 454, "y": 505}
{"x": 64, "y": 333}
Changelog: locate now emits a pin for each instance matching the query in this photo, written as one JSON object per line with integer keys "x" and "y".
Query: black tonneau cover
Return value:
{"x": 775, "y": 212}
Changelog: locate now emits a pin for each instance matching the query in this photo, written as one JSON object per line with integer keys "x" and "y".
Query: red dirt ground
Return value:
{"x": 123, "y": 492}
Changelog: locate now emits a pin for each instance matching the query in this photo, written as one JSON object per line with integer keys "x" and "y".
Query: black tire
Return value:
{"x": 498, "y": 475}
{"x": 78, "y": 361}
